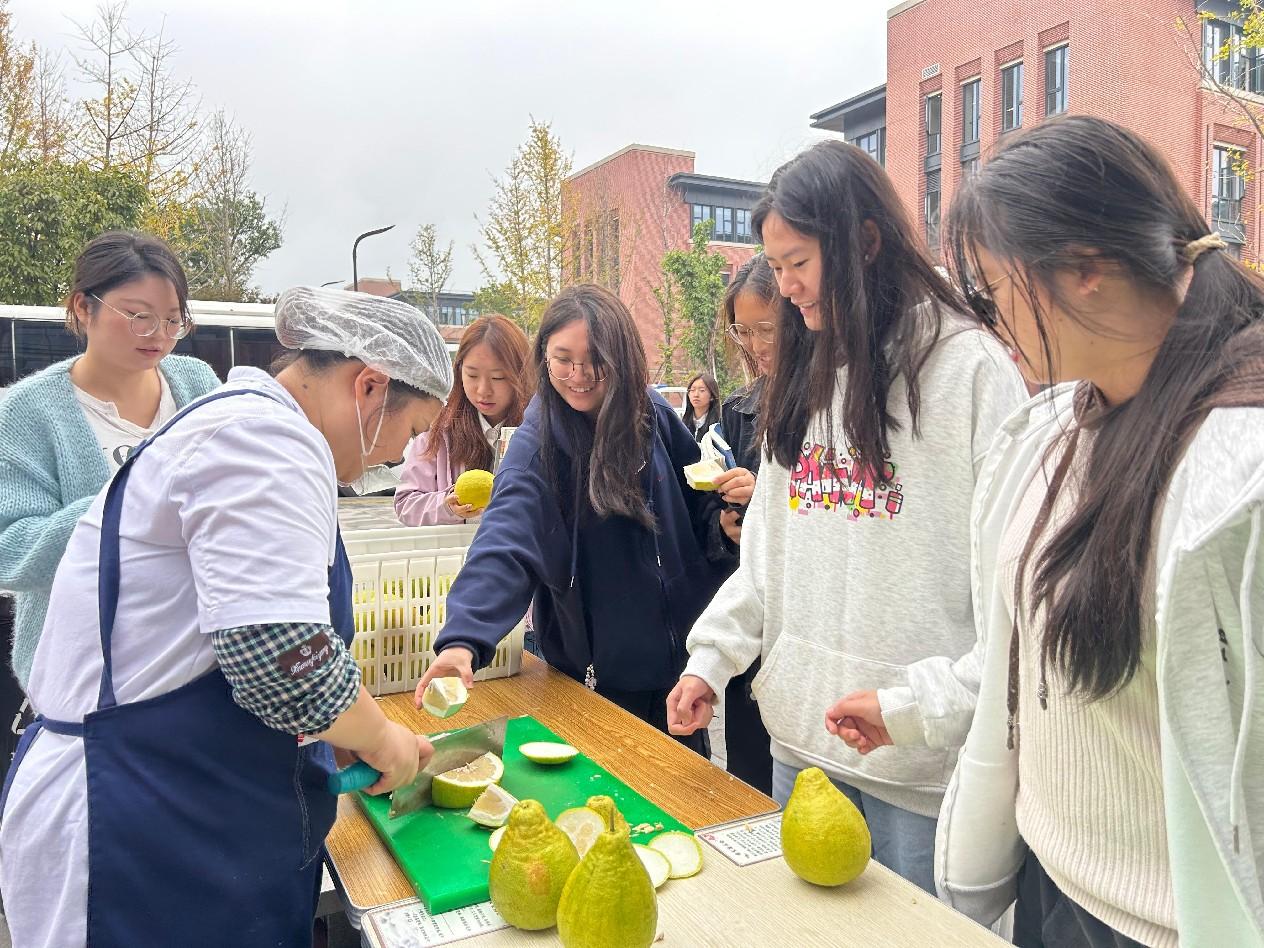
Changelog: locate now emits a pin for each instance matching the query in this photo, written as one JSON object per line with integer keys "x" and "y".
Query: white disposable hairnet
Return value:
{"x": 385, "y": 334}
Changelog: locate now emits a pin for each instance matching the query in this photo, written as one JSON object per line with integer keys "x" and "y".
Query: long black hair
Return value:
{"x": 619, "y": 442}
{"x": 690, "y": 417}
{"x": 870, "y": 311}
{"x": 1079, "y": 189}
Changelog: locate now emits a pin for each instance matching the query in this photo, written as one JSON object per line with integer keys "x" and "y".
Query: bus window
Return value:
{"x": 210, "y": 344}
{"x": 41, "y": 343}
{"x": 257, "y": 347}
{"x": 8, "y": 375}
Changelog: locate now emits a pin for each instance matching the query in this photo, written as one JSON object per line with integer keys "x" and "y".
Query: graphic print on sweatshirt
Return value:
{"x": 820, "y": 481}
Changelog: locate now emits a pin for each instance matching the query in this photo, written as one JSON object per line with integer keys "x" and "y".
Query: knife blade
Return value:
{"x": 451, "y": 750}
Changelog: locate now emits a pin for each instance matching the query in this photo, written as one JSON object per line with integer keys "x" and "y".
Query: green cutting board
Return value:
{"x": 445, "y": 855}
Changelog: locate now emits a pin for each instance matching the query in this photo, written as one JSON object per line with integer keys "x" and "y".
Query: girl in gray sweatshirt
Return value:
{"x": 856, "y": 546}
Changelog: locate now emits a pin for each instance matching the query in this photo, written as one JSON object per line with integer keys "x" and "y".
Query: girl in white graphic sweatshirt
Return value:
{"x": 855, "y": 547}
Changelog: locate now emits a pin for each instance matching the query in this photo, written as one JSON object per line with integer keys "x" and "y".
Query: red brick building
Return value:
{"x": 962, "y": 74}
{"x": 627, "y": 210}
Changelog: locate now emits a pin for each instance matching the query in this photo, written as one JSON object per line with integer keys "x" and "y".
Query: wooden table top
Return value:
{"x": 687, "y": 786}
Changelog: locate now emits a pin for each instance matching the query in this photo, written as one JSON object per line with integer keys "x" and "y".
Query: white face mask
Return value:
{"x": 366, "y": 450}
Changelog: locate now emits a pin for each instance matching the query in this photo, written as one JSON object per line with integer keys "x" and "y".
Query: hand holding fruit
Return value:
{"x": 458, "y": 509}
{"x": 454, "y": 662}
{"x": 736, "y": 486}
{"x": 689, "y": 706}
{"x": 857, "y": 720}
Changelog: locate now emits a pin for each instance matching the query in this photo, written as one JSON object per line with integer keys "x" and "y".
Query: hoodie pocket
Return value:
{"x": 799, "y": 680}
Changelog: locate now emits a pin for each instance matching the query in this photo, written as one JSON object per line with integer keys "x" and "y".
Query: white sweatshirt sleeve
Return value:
{"x": 937, "y": 705}
{"x": 729, "y": 635}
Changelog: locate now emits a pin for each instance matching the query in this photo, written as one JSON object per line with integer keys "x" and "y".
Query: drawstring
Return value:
{"x": 1033, "y": 538}
{"x": 590, "y": 673}
{"x": 1251, "y": 662}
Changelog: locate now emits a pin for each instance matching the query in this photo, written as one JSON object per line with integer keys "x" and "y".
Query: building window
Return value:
{"x": 1011, "y": 97}
{"x": 874, "y": 145}
{"x": 1056, "y": 62}
{"x": 1228, "y": 61}
{"x": 724, "y": 223}
{"x": 1228, "y": 189}
{"x": 971, "y": 112}
{"x": 934, "y": 124}
{"x": 932, "y": 209}
{"x": 969, "y": 168}
{"x": 732, "y": 224}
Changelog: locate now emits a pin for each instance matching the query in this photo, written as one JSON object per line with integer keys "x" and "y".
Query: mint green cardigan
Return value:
{"x": 51, "y": 469}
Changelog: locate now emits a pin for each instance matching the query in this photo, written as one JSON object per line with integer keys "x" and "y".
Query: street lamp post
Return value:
{"x": 355, "y": 275}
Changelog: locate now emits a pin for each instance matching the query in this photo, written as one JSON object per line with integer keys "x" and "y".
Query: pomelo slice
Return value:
{"x": 494, "y": 840}
{"x": 547, "y": 752}
{"x": 655, "y": 863}
{"x": 683, "y": 852}
{"x": 582, "y": 825}
{"x": 459, "y": 788}
{"x": 444, "y": 697}
{"x": 702, "y": 475}
{"x": 492, "y": 807}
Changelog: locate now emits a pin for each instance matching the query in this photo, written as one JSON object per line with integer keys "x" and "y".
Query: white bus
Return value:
{"x": 225, "y": 335}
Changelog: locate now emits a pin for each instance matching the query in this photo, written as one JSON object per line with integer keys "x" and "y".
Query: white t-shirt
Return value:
{"x": 250, "y": 483}
{"x": 117, "y": 436}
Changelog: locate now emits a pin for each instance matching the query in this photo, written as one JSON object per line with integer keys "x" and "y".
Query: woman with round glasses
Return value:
{"x": 67, "y": 429}
{"x": 591, "y": 522}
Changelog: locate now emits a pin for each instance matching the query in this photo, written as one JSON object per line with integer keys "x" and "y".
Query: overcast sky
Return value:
{"x": 380, "y": 112}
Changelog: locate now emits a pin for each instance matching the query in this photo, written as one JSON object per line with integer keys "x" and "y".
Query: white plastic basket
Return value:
{"x": 401, "y": 577}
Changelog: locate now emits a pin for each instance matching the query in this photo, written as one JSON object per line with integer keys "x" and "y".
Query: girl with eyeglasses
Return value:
{"x": 591, "y": 522}
{"x": 855, "y": 554}
{"x": 1112, "y": 779}
{"x": 64, "y": 431}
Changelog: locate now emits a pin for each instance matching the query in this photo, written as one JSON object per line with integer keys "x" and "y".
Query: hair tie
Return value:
{"x": 1196, "y": 248}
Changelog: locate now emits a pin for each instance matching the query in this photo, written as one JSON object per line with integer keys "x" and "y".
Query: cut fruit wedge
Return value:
{"x": 444, "y": 697}
{"x": 459, "y": 788}
{"x": 494, "y": 840}
{"x": 683, "y": 852}
{"x": 655, "y": 863}
{"x": 702, "y": 475}
{"x": 492, "y": 807}
{"x": 547, "y": 752}
{"x": 582, "y": 825}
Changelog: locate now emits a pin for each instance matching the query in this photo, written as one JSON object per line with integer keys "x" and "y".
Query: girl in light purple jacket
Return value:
{"x": 491, "y": 389}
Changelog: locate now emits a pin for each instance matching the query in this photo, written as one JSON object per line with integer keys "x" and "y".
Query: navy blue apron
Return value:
{"x": 205, "y": 826}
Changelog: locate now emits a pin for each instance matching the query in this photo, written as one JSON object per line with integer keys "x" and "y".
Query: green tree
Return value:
{"x": 47, "y": 213}
{"x": 224, "y": 230}
{"x": 523, "y": 229}
{"x": 693, "y": 287}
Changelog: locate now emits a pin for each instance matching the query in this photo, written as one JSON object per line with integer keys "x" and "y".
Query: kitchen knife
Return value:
{"x": 451, "y": 750}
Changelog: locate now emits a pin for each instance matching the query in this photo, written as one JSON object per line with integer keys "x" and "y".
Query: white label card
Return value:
{"x": 409, "y": 925}
{"x": 749, "y": 842}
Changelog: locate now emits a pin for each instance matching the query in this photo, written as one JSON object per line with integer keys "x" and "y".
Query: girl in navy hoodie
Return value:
{"x": 592, "y": 520}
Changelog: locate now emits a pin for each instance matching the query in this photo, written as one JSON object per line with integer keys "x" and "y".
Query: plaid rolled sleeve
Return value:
{"x": 296, "y": 677}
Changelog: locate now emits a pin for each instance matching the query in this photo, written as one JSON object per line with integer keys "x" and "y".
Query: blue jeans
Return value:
{"x": 904, "y": 842}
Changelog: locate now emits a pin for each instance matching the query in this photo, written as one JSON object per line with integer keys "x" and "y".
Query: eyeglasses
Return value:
{"x": 146, "y": 324}
{"x": 980, "y": 301}
{"x": 765, "y": 332}
{"x": 563, "y": 369}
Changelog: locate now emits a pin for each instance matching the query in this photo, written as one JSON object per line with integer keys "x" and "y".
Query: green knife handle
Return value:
{"x": 356, "y": 777}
